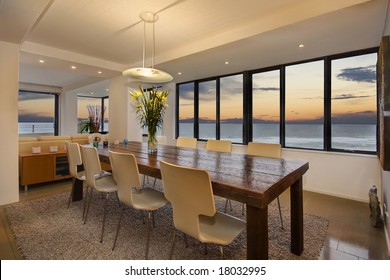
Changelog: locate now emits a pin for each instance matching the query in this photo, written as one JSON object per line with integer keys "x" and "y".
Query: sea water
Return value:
{"x": 351, "y": 137}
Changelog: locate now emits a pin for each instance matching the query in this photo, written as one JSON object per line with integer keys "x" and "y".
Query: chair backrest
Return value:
{"x": 264, "y": 149}
{"x": 190, "y": 193}
{"x": 219, "y": 145}
{"x": 126, "y": 175}
{"x": 186, "y": 142}
{"x": 91, "y": 164}
{"x": 74, "y": 158}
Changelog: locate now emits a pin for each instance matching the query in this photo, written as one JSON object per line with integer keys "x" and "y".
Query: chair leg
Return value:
{"x": 154, "y": 182}
{"x": 89, "y": 203}
{"x": 205, "y": 249}
{"x": 71, "y": 192}
{"x": 243, "y": 209}
{"x": 148, "y": 236}
{"x": 280, "y": 212}
{"x": 185, "y": 240}
{"x": 226, "y": 204}
{"x": 118, "y": 226}
{"x": 85, "y": 201}
{"x": 173, "y": 244}
{"x": 221, "y": 250}
{"x": 154, "y": 223}
{"x": 104, "y": 216}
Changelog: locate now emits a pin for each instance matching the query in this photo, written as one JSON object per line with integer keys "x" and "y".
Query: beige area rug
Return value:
{"x": 45, "y": 229}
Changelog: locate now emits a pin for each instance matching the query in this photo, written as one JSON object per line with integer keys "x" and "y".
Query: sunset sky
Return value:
{"x": 353, "y": 92}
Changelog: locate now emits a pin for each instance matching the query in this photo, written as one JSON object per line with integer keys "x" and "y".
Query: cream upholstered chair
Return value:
{"x": 219, "y": 145}
{"x": 272, "y": 150}
{"x": 126, "y": 174}
{"x": 186, "y": 142}
{"x": 75, "y": 162}
{"x": 190, "y": 192}
{"x": 95, "y": 180}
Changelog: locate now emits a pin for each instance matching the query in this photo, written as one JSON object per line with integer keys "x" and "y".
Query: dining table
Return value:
{"x": 253, "y": 180}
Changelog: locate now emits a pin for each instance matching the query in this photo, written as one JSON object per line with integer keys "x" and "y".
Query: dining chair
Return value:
{"x": 186, "y": 142}
{"x": 190, "y": 192}
{"x": 272, "y": 150}
{"x": 96, "y": 181}
{"x": 126, "y": 174}
{"x": 219, "y": 145}
{"x": 75, "y": 163}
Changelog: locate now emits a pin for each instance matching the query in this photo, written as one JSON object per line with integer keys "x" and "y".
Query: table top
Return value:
{"x": 253, "y": 180}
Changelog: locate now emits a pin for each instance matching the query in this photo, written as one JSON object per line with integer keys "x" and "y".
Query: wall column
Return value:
{"x": 9, "y": 149}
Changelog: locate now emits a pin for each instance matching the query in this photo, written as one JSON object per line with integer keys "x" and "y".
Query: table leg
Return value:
{"x": 77, "y": 190}
{"x": 257, "y": 233}
{"x": 296, "y": 199}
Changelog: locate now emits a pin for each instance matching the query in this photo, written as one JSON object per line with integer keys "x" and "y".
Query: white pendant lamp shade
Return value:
{"x": 147, "y": 75}
{"x": 144, "y": 74}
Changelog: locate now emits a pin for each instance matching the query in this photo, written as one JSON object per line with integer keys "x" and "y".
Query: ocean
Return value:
{"x": 353, "y": 137}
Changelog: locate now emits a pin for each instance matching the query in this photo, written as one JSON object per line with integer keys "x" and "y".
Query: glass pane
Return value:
{"x": 82, "y": 110}
{"x": 106, "y": 113}
{"x": 354, "y": 113}
{"x": 207, "y": 110}
{"x": 231, "y": 115}
{"x": 36, "y": 113}
{"x": 186, "y": 110}
{"x": 305, "y": 105}
{"x": 266, "y": 106}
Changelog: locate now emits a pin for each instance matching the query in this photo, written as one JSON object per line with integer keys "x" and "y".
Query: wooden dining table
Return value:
{"x": 253, "y": 180}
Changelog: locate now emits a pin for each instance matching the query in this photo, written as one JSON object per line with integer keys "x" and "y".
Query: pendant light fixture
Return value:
{"x": 145, "y": 74}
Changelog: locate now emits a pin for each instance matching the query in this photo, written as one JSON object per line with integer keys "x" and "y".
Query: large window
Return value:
{"x": 231, "y": 114}
{"x": 83, "y": 112}
{"x": 207, "y": 110}
{"x": 186, "y": 110}
{"x": 37, "y": 113}
{"x": 327, "y": 104}
{"x": 305, "y": 105}
{"x": 266, "y": 106}
{"x": 354, "y": 100}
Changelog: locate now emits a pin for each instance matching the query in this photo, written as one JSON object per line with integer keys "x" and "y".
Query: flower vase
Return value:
{"x": 152, "y": 140}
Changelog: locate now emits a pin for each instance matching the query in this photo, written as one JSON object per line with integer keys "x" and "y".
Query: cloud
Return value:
{"x": 359, "y": 74}
{"x": 25, "y": 95}
{"x": 349, "y": 96}
{"x": 266, "y": 89}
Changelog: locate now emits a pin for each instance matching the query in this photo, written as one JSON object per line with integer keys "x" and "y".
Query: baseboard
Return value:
{"x": 336, "y": 195}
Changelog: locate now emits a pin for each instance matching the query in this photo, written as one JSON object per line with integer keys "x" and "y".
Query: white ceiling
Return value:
{"x": 194, "y": 37}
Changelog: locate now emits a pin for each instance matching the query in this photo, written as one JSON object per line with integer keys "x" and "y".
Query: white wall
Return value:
{"x": 9, "y": 76}
{"x": 68, "y": 113}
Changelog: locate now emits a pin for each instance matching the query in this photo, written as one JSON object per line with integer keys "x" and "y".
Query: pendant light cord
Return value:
{"x": 144, "y": 47}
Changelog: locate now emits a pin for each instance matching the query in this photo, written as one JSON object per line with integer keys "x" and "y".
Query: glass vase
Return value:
{"x": 152, "y": 140}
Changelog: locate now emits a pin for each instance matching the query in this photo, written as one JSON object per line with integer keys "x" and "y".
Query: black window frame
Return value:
{"x": 248, "y": 101}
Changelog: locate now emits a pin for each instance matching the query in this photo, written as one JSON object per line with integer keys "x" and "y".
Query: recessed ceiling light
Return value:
{"x": 301, "y": 45}
{"x": 92, "y": 93}
{"x": 179, "y": 73}
{"x": 99, "y": 72}
{"x": 226, "y": 62}
{"x": 41, "y": 61}
{"x": 73, "y": 67}
{"x": 106, "y": 89}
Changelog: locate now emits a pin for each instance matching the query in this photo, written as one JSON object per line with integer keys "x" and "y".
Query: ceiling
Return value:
{"x": 194, "y": 37}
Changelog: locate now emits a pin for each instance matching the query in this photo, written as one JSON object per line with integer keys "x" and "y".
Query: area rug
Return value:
{"x": 46, "y": 229}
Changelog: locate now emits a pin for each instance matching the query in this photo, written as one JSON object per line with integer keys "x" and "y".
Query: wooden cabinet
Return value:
{"x": 43, "y": 167}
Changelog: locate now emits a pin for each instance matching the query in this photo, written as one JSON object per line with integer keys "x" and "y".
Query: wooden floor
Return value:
{"x": 350, "y": 236}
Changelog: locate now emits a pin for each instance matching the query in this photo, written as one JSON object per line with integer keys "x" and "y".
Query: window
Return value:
{"x": 186, "y": 110}
{"x": 354, "y": 102}
{"x": 231, "y": 106}
{"x": 207, "y": 110}
{"x": 304, "y": 111}
{"x": 327, "y": 104}
{"x": 266, "y": 106}
{"x": 37, "y": 113}
{"x": 82, "y": 111}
